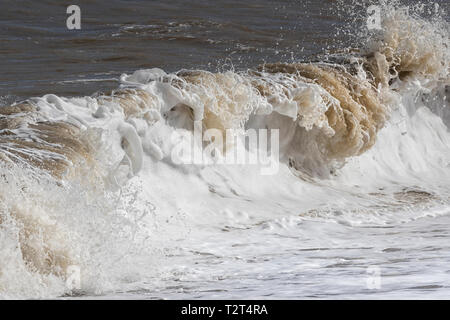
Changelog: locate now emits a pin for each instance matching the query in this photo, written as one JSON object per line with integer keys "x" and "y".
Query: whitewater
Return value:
{"x": 359, "y": 206}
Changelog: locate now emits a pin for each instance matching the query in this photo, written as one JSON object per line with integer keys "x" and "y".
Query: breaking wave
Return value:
{"x": 89, "y": 181}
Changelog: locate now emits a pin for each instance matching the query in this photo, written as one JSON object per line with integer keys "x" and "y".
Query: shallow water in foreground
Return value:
{"x": 326, "y": 261}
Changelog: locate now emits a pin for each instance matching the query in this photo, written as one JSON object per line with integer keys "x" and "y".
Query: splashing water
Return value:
{"x": 364, "y": 167}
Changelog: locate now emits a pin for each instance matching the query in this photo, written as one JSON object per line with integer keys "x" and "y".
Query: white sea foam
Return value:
{"x": 364, "y": 146}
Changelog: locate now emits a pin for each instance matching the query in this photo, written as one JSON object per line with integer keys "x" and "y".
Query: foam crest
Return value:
{"x": 70, "y": 168}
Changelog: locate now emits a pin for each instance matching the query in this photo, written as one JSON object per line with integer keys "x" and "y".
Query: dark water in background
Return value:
{"x": 40, "y": 55}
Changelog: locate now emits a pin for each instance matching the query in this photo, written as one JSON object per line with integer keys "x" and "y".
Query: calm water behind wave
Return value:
{"x": 40, "y": 55}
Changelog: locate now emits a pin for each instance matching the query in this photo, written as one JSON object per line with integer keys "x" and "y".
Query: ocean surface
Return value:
{"x": 39, "y": 52}
{"x": 94, "y": 202}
